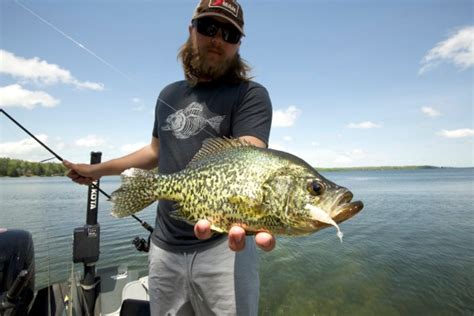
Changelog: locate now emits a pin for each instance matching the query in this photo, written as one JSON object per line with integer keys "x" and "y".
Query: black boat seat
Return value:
{"x": 132, "y": 307}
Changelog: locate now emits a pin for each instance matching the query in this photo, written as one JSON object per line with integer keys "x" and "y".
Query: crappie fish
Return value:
{"x": 230, "y": 182}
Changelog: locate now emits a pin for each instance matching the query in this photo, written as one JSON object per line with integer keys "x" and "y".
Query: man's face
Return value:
{"x": 214, "y": 54}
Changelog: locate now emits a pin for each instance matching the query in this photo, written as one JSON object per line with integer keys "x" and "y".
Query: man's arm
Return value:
{"x": 144, "y": 158}
{"x": 264, "y": 240}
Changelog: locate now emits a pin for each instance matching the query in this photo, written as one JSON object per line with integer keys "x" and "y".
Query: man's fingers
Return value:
{"x": 74, "y": 176}
{"x": 237, "y": 238}
{"x": 202, "y": 229}
{"x": 265, "y": 241}
{"x": 67, "y": 164}
{"x": 83, "y": 180}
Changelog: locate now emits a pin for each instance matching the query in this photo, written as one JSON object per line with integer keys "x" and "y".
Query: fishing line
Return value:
{"x": 102, "y": 60}
{"x": 71, "y": 39}
{"x": 44, "y": 160}
{"x": 143, "y": 223}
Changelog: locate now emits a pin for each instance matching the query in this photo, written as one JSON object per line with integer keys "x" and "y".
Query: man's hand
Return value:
{"x": 80, "y": 173}
{"x": 264, "y": 240}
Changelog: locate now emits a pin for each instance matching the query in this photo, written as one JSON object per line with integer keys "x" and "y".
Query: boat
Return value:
{"x": 115, "y": 291}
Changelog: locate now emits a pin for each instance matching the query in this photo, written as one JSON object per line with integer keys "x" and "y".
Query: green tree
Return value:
{"x": 17, "y": 168}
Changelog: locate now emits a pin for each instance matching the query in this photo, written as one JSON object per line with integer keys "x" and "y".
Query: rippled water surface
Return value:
{"x": 409, "y": 252}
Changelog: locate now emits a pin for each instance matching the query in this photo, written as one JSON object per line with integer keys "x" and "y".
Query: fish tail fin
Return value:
{"x": 138, "y": 190}
{"x": 216, "y": 121}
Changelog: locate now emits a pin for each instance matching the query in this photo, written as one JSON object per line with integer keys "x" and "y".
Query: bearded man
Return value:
{"x": 192, "y": 270}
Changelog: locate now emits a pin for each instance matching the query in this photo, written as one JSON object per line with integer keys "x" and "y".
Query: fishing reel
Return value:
{"x": 141, "y": 244}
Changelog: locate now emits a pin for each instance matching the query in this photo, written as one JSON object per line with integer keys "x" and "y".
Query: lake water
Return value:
{"x": 409, "y": 252}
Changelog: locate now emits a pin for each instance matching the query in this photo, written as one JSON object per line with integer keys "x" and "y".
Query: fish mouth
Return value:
{"x": 345, "y": 208}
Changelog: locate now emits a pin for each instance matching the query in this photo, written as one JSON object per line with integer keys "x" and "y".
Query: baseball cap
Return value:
{"x": 226, "y": 9}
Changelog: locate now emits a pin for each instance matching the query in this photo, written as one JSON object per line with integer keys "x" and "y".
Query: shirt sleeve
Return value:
{"x": 155, "y": 123}
{"x": 253, "y": 114}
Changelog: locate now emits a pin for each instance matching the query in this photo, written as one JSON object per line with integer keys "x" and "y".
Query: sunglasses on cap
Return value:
{"x": 210, "y": 27}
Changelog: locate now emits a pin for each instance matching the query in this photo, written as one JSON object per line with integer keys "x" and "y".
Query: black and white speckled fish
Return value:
{"x": 230, "y": 182}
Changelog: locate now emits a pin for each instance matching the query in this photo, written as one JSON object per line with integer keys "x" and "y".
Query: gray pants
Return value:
{"x": 216, "y": 281}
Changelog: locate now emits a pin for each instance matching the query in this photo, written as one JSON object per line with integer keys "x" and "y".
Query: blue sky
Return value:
{"x": 353, "y": 83}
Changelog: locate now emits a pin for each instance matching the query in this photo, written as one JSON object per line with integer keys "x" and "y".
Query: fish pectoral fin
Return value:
{"x": 249, "y": 206}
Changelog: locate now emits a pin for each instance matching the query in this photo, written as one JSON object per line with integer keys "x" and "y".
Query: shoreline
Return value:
{"x": 330, "y": 169}
{"x": 385, "y": 168}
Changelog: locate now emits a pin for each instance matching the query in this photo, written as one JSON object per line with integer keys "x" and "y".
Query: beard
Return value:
{"x": 198, "y": 64}
{"x": 207, "y": 68}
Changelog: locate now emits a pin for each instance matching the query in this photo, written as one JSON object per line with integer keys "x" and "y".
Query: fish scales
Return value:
{"x": 230, "y": 182}
{"x": 221, "y": 190}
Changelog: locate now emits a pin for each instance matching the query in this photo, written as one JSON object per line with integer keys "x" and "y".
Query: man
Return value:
{"x": 192, "y": 270}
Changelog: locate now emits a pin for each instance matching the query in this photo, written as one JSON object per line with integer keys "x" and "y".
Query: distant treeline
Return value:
{"x": 19, "y": 168}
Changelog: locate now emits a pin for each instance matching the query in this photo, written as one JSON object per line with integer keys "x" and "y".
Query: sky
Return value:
{"x": 352, "y": 83}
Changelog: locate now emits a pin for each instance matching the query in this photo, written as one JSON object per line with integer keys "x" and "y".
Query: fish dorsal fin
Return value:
{"x": 211, "y": 146}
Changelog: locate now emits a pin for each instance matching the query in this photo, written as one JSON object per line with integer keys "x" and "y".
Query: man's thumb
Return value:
{"x": 67, "y": 164}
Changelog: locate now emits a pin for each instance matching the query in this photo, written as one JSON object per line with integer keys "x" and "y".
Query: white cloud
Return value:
{"x": 364, "y": 125}
{"x": 28, "y": 149}
{"x": 457, "y": 49}
{"x": 430, "y": 111}
{"x": 21, "y": 147}
{"x": 457, "y": 133}
{"x": 324, "y": 157}
{"x": 138, "y": 104}
{"x": 285, "y": 118}
{"x": 287, "y": 138}
{"x": 328, "y": 157}
{"x": 129, "y": 148}
{"x": 40, "y": 71}
{"x": 277, "y": 146}
{"x": 16, "y": 96}
{"x": 357, "y": 153}
{"x": 88, "y": 85}
{"x": 90, "y": 141}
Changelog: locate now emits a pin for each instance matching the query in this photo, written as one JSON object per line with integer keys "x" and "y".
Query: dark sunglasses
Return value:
{"x": 210, "y": 27}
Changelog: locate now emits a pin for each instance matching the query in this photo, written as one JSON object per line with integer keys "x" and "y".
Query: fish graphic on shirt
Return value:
{"x": 191, "y": 121}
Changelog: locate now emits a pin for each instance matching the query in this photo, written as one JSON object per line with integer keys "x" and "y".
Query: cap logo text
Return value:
{"x": 223, "y": 4}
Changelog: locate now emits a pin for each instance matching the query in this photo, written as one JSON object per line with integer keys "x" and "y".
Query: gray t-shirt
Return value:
{"x": 184, "y": 117}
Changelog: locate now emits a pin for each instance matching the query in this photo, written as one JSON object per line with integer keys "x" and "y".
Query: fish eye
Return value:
{"x": 315, "y": 187}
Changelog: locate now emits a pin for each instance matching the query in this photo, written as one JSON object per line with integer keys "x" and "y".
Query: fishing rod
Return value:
{"x": 143, "y": 223}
